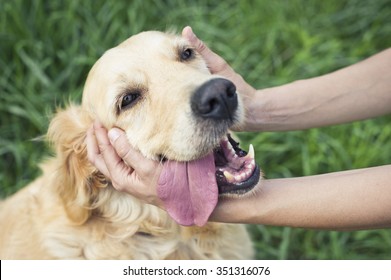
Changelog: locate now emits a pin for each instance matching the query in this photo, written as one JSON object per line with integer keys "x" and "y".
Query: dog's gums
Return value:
{"x": 236, "y": 170}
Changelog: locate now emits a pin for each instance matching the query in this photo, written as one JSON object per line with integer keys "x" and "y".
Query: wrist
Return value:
{"x": 246, "y": 209}
{"x": 258, "y": 111}
{"x": 247, "y": 93}
{"x": 277, "y": 108}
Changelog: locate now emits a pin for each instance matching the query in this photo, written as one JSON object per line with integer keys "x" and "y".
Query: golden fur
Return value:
{"x": 72, "y": 212}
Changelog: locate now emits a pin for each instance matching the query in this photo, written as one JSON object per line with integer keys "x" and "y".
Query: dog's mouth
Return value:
{"x": 190, "y": 190}
{"x": 236, "y": 170}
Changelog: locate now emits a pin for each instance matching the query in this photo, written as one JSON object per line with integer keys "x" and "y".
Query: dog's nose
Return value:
{"x": 215, "y": 99}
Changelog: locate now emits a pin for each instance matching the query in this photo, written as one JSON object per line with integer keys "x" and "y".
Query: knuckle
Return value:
{"x": 121, "y": 146}
{"x": 92, "y": 157}
{"x": 103, "y": 147}
{"x": 151, "y": 170}
{"x": 122, "y": 151}
{"x": 116, "y": 184}
{"x": 201, "y": 47}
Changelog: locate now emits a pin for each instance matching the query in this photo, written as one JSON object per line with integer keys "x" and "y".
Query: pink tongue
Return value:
{"x": 189, "y": 190}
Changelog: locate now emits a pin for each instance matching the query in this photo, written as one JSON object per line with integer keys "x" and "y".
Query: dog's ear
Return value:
{"x": 77, "y": 180}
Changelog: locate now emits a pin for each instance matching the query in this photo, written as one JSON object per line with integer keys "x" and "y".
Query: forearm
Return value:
{"x": 357, "y": 92}
{"x": 358, "y": 199}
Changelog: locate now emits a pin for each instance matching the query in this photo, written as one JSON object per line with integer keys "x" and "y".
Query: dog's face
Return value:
{"x": 158, "y": 89}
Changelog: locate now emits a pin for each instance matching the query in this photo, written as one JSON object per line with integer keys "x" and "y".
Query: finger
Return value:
{"x": 130, "y": 155}
{"x": 92, "y": 145}
{"x": 93, "y": 153}
{"x": 215, "y": 63}
{"x": 197, "y": 43}
{"x": 112, "y": 162}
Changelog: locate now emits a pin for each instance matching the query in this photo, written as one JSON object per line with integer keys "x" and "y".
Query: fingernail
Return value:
{"x": 192, "y": 35}
{"x": 188, "y": 31}
{"x": 113, "y": 134}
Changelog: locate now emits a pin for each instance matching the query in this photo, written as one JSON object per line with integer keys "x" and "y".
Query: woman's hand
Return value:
{"x": 128, "y": 170}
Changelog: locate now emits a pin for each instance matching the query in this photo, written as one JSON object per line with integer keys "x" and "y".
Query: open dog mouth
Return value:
{"x": 236, "y": 170}
{"x": 190, "y": 190}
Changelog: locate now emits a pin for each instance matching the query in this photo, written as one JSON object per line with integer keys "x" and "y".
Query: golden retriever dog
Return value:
{"x": 158, "y": 89}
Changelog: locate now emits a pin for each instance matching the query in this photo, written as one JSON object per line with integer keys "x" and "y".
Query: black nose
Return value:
{"x": 215, "y": 99}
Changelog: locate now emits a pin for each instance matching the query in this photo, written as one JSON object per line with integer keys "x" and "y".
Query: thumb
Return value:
{"x": 131, "y": 156}
{"x": 197, "y": 43}
{"x": 119, "y": 141}
{"x": 216, "y": 64}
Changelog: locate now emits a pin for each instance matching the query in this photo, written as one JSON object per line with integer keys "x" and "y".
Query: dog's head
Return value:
{"x": 158, "y": 89}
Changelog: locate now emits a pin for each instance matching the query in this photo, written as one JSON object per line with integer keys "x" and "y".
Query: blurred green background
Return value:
{"x": 48, "y": 47}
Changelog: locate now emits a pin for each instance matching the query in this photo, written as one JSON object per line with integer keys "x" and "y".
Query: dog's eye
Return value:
{"x": 187, "y": 54}
{"x": 128, "y": 99}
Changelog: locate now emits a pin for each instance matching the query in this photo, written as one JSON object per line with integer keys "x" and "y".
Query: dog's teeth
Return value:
{"x": 230, "y": 178}
{"x": 251, "y": 153}
{"x": 240, "y": 177}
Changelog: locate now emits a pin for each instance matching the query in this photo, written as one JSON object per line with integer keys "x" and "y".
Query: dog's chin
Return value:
{"x": 236, "y": 171}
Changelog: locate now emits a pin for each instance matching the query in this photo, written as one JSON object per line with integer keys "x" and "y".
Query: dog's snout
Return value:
{"x": 215, "y": 99}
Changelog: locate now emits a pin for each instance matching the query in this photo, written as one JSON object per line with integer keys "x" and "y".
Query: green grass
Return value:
{"x": 47, "y": 48}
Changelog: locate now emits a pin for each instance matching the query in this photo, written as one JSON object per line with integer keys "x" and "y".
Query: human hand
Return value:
{"x": 128, "y": 170}
{"x": 151, "y": 181}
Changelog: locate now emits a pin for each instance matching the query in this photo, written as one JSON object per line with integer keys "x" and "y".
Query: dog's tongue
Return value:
{"x": 189, "y": 190}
